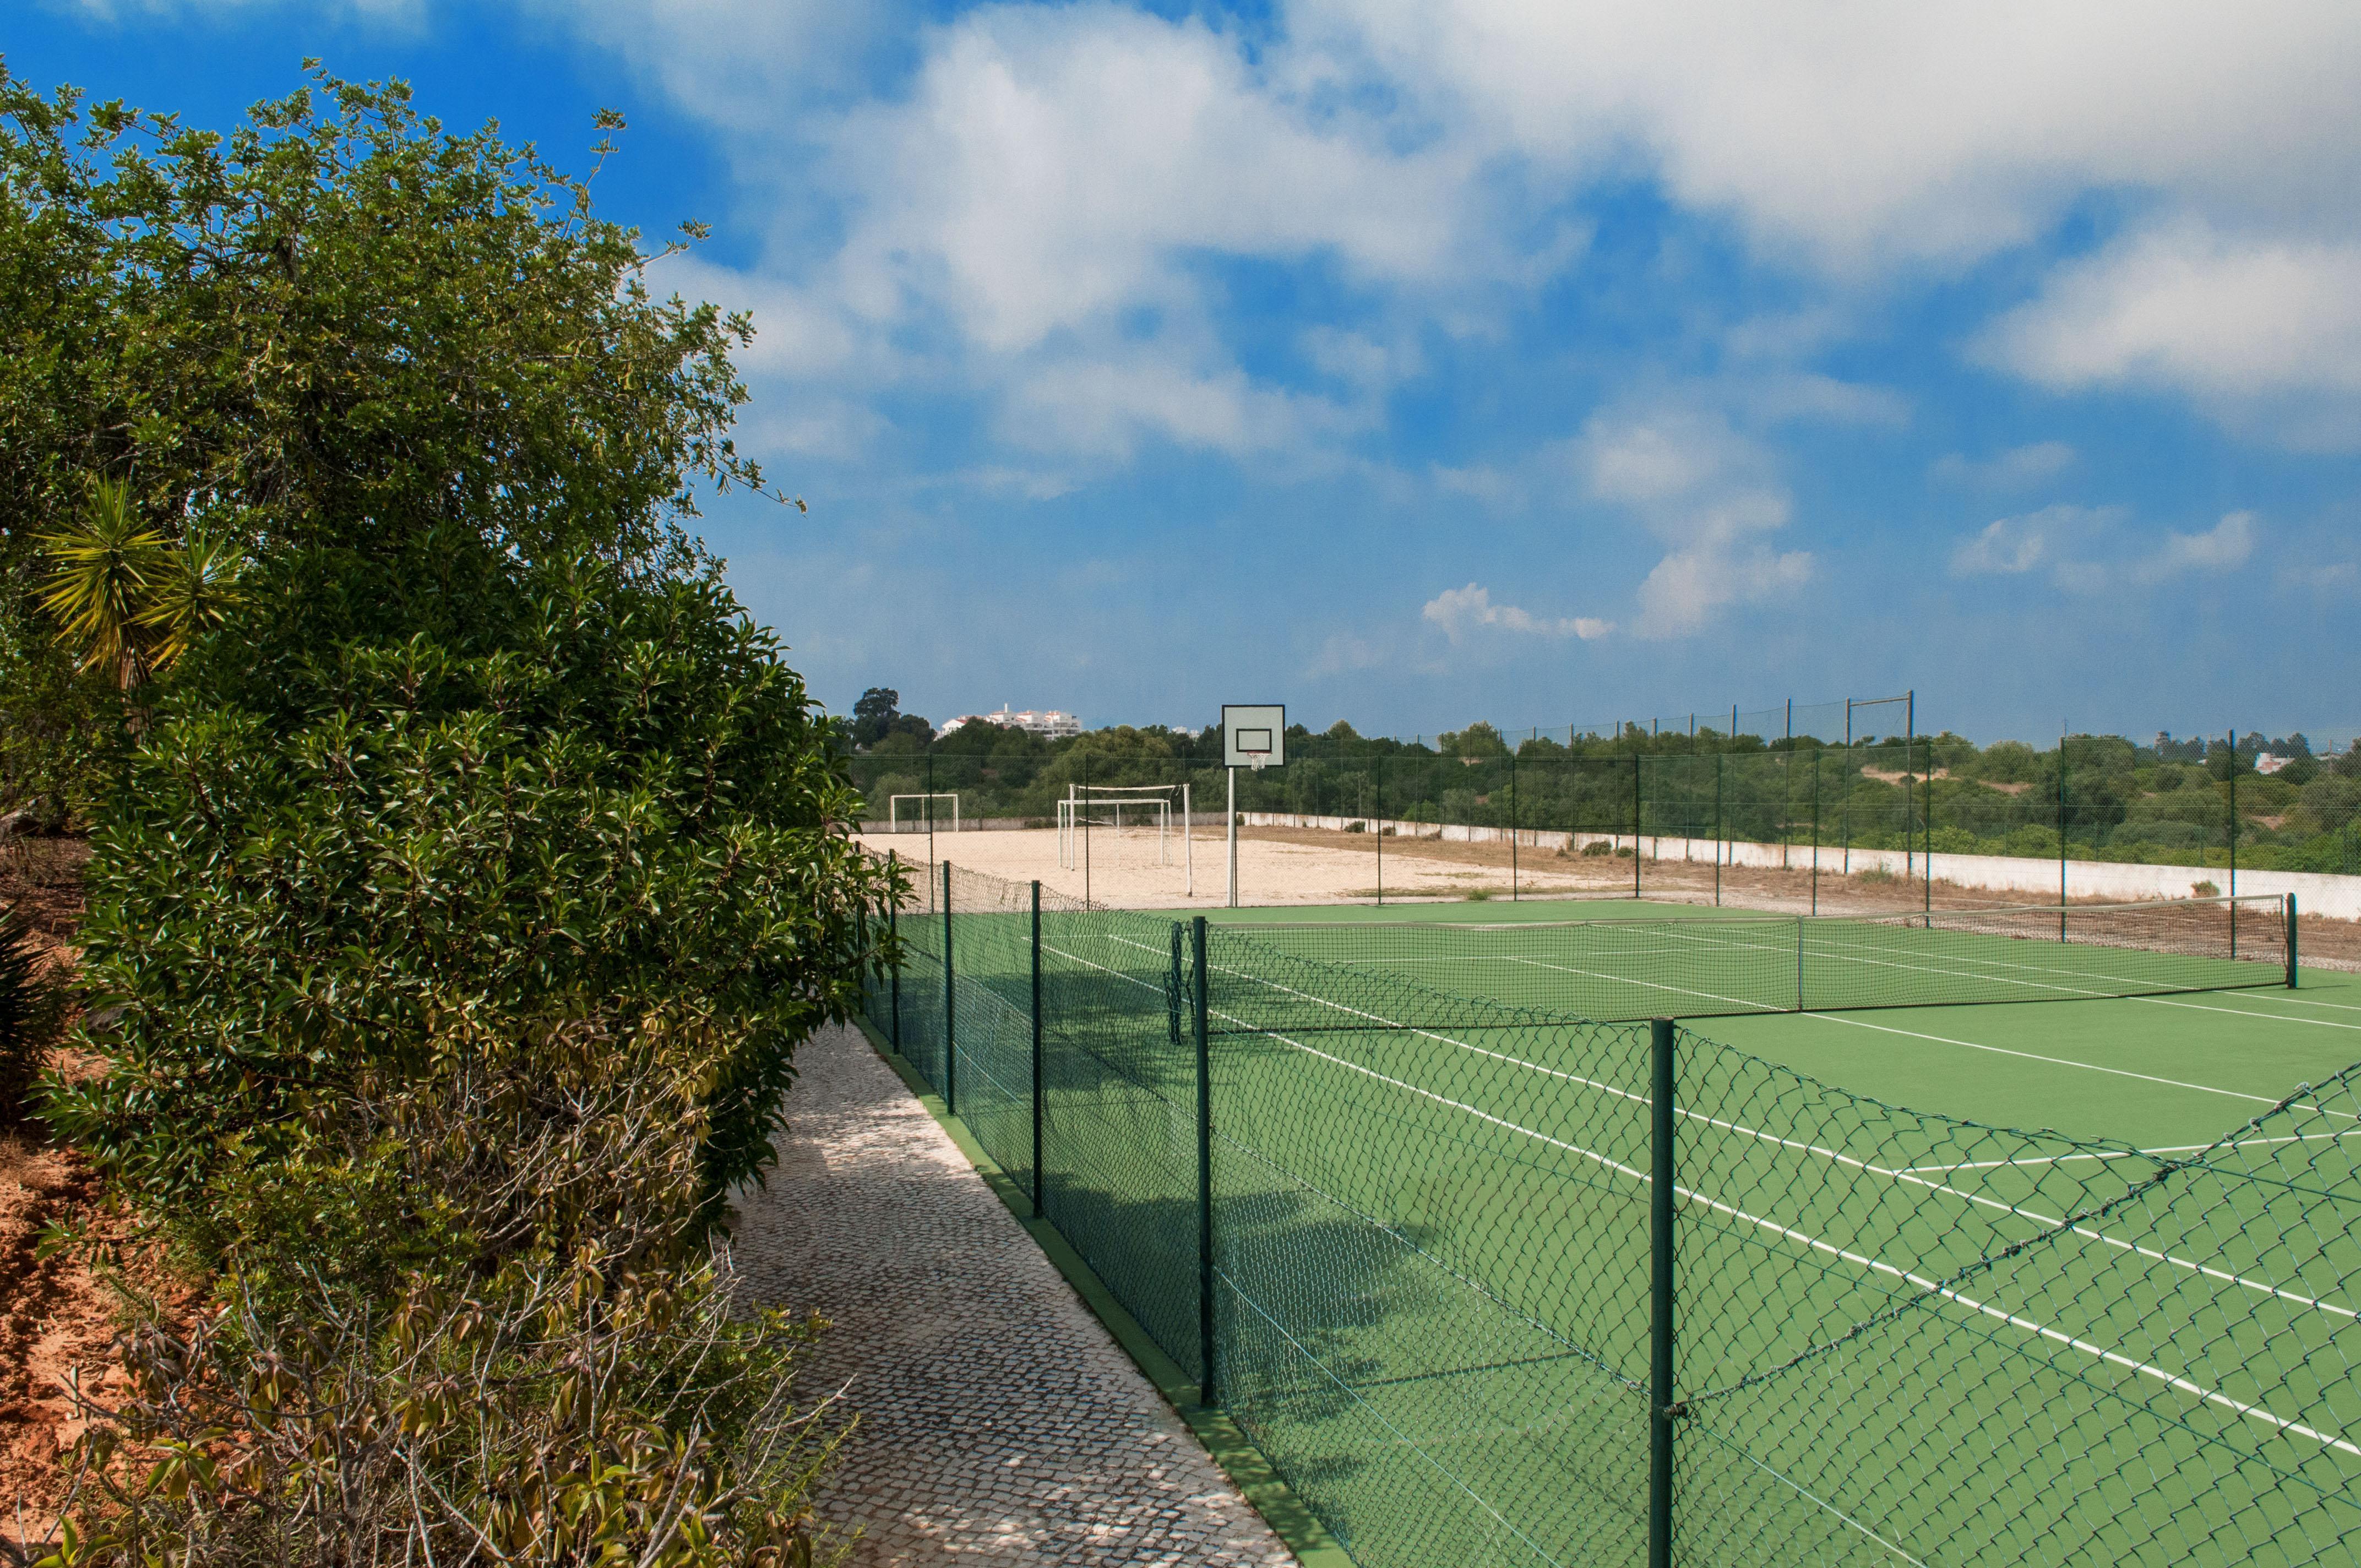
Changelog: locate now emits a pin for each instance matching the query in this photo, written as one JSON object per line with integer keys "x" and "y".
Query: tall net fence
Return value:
{"x": 1615, "y": 969}
{"x": 1410, "y": 1239}
{"x": 1628, "y": 809}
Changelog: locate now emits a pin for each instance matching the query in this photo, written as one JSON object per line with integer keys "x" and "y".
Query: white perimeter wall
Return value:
{"x": 2316, "y": 893}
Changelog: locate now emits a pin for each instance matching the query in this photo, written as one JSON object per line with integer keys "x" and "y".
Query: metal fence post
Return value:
{"x": 1661, "y": 1285}
{"x": 1927, "y": 840}
{"x": 2233, "y": 840}
{"x": 950, "y": 1022}
{"x": 1037, "y": 1047}
{"x": 1636, "y": 823}
{"x": 1815, "y": 831}
{"x": 893, "y": 939}
{"x": 2062, "y": 835}
{"x": 1719, "y": 759}
{"x": 1378, "y": 821}
{"x": 1205, "y": 1393}
{"x": 1800, "y": 928}
{"x": 1512, "y": 827}
{"x": 2291, "y": 917}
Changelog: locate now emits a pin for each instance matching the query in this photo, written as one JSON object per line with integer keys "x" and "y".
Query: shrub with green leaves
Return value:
{"x": 632, "y": 802}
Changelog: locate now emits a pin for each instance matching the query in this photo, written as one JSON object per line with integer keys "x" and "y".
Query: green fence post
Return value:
{"x": 1816, "y": 833}
{"x": 1205, "y": 1393}
{"x": 2233, "y": 840}
{"x": 2290, "y": 909}
{"x": 1512, "y": 828}
{"x": 1635, "y": 824}
{"x": 1378, "y": 821}
{"x": 1718, "y": 758}
{"x": 1799, "y": 963}
{"x": 893, "y": 939}
{"x": 1037, "y": 1047}
{"x": 1660, "y": 1284}
{"x": 1927, "y": 845}
{"x": 950, "y": 1029}
{"x": 2062, "y": 835}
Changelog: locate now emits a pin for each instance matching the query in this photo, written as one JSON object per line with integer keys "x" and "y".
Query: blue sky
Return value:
{"x": 1412, "y": 361}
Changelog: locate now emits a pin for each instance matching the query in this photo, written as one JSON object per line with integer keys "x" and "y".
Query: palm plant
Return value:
{"x": 194, "y": 589}
{"x": 126, "y": 600}
{"x": 101, "y": 569}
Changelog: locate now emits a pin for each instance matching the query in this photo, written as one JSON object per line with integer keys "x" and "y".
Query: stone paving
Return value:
{"x": 1000, "y": 1422}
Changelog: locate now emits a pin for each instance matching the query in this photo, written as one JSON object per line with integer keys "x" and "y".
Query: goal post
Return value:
{"x": 927, "y": 816}
{"x": 1074, "y": 815}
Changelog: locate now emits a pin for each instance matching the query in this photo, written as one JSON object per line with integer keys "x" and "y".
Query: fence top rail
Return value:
{"x": 2273, "y": 900}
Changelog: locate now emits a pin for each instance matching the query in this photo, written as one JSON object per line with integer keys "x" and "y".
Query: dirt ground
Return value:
{"x": 1316, "y": 865}
{"x": 58, "y": 1314}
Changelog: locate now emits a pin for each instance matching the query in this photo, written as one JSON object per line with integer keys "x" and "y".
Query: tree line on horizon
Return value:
{"x": 2167, "y": 800}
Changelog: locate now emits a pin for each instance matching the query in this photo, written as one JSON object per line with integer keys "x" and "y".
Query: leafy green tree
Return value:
{"x": 873, "y": 715}
{"x": 336, "y": 329}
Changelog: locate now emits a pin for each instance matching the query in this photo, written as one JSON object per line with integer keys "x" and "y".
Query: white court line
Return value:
{"x": 2241, "y": 1012}
{"x": 2069, "y": 1061}
{"x": 1874, "y": 1265}
{"x": 2130, "y": 1154}
{"x": 2284, "y": 1000}
{"x": 2054, "y": 1222}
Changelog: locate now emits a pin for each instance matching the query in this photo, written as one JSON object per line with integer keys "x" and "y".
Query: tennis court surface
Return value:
{"x": 1379, "y": 1186}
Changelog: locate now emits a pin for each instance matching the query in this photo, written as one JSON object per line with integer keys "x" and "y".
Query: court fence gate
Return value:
{"x": 1490, "y": 1284}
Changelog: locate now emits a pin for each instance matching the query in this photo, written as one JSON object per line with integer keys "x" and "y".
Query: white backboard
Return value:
{"x": 1254, "y": 735}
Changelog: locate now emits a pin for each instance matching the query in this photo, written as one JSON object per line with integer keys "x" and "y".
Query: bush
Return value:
{"x": 1600, "y": 847}
{"x": 458, "y": 1321}
{"x": 322, "y": 860}
{"x": 2204, "y": 890}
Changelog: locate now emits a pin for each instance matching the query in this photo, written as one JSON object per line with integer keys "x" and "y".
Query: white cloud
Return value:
{"x": 1866, "y": 136}
{"x": 2010, "y": 545}
{"x": 1710, "y": 492}
{"x": 746, "y": 65}
{"x": 1050, "y": 166}
{"x": 2258, "y": 328}
{"x": 2084, "y": 549}
{"x": 2227, "y": 544}
{"x": 2007, "y": 470}
{"x": 1032, "y": 189}
{"x": 1681, "y": 595}
{"x": 1637, "y": 456}
{"x": 1460, "y": 610}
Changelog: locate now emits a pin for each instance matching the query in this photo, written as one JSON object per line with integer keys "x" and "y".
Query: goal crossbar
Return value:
{"x": 1073, "y": 817}
{"x": 894, "y": 809}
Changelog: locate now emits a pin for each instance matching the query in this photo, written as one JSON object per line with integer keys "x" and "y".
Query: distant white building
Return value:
{"x": 1048, "y": 722}
{"x": 2266, "y": 763}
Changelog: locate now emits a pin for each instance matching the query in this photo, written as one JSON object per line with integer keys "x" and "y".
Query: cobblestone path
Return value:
{"x": 1000, "y": 1422}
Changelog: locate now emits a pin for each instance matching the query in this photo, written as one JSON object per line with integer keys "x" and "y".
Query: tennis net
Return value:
{"x": 1716, "y": 966}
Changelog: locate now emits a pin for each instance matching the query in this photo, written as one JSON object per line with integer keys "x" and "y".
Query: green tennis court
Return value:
{"x": 1973, "y": 1282}
{"x": 1830, "y": 1241}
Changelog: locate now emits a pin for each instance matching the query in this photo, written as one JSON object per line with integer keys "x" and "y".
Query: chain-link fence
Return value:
{"x": 1494, "y": 1286}
{"x": 1680, "y": 811}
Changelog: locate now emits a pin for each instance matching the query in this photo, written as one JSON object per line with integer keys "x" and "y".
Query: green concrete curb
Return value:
{"x": 1231, "y": 1449}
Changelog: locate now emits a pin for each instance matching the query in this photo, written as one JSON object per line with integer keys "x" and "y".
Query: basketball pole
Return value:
{"x": 1231, "y": 815}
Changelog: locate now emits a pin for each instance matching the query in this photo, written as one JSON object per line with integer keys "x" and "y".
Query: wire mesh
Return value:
{"x": 1613, "y": 970}
{"x": 1909, "y": 1339}
{"x": 1901, "y": 1337}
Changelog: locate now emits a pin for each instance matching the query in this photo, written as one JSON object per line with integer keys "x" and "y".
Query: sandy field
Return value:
{"x": 1314, "y": 865}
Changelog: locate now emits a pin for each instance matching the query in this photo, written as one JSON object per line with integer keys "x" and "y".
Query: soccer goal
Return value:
{"x": 1121, "y": 806}
{"x": 920, "y": 817}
